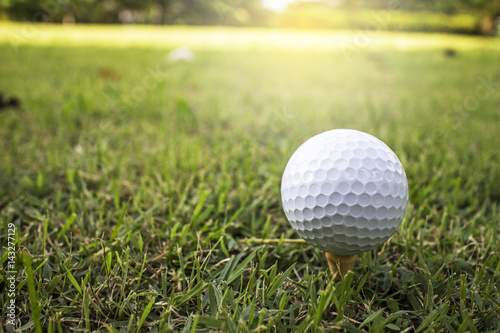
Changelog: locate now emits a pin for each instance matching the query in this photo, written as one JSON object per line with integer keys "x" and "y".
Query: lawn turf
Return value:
{"x": 146, "y": 192}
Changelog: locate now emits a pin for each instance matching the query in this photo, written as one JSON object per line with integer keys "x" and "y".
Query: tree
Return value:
{"x": 189, "y": 12}
{"x": 488, "y": 10}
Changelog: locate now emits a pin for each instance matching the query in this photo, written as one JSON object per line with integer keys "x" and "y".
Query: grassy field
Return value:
{"x": 145, "y": 193}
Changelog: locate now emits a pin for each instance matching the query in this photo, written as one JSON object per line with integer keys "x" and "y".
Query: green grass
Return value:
{"x": 161, "y": 212}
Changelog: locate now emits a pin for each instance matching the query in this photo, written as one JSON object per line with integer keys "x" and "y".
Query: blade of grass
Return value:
{"x": 35, "y": 311}
{"x": 66, "y": 226}
{"x": 145, "y": 314}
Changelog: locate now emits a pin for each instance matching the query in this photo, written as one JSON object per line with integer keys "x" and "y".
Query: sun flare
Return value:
{"x": 276, "y": 5}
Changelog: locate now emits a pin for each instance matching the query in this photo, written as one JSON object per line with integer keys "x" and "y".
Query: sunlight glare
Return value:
{"x": 276, "y": 5}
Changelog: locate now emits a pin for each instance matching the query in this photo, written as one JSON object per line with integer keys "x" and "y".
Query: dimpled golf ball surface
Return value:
{"x": 344, "y": 191}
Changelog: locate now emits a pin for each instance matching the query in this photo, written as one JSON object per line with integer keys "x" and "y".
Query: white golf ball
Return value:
{"x": 344, "y": 191}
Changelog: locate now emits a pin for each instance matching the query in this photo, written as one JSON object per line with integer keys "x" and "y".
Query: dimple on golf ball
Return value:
{"x": 344, "y": 191}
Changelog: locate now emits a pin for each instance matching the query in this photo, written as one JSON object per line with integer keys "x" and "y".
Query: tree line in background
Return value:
{"x": 304, "y": 14}
{"x": 183, "y": 12}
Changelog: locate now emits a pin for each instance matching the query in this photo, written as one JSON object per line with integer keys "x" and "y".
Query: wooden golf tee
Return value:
{"x": 339, "y": 265}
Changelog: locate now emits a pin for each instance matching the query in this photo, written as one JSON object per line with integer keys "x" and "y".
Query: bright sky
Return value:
{"x": 276, "y": 5}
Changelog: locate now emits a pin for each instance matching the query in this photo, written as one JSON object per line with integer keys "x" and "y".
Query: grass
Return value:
{"x": 146, "y": 193}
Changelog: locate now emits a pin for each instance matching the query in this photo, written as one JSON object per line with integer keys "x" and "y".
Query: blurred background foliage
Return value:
{"x": 456, "y": 16}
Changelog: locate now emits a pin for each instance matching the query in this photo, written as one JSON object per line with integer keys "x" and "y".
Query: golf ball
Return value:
{"x": 344, "y": 191}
